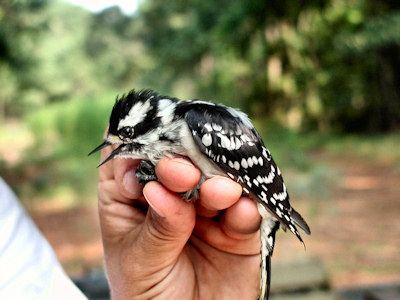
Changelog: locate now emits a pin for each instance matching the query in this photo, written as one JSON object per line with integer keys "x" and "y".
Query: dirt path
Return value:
{"x": 355, "y": 231}
{"x": 360, "y": 229}
{"x": 74, "y": 235}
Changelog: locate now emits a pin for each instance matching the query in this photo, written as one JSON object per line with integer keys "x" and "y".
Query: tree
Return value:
{"x": 21, "y": 24}
{"x": 333, "y": 64}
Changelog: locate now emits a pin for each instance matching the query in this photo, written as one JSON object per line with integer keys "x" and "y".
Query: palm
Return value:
{"x": 190, "y": 253}
{"x": 223, "y": 275}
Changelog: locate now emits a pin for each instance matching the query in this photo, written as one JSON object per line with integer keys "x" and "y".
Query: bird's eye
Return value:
{"x": 126, "y": 132}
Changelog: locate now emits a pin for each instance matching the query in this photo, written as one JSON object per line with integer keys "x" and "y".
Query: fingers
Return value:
{"x": 236, "y": 229}
{"x": 125, "y": 176}
{"x": 177, "y": 215}
{"x": 219, "y": 193}
{"x": 212, "y": 233}
{"x": 167, "y": 228}
{"x": 106, "y": 171}
{"x": 240, "y": 216}
{"x": 171, "y": 220}
{"x": 140, "y": 248}
{"x": 241, "y": 219}
{"x": 177, "y": 174}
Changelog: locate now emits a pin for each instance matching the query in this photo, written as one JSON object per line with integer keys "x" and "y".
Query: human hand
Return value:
{"x": 158, "y": 246}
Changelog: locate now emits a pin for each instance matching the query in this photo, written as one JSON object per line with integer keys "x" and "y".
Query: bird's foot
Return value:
{"x": 146, "y": 172}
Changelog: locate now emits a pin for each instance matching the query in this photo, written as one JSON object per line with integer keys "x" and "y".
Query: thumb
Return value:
{"x": 168, "y": 225}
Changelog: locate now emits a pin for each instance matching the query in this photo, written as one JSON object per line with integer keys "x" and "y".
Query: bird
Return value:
{"x": 220, "y": 141}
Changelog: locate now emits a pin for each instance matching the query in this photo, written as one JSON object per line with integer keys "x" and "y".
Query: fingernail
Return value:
{"x": 182, "y": 160}
{"x": 151, "y": 205}
{"x": 131, "y": 183}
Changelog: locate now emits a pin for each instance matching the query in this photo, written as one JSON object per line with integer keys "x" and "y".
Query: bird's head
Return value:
{"x": 132, "y": 117}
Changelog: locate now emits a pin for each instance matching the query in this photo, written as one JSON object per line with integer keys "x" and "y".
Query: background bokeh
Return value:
{"x": 319, "y": 78}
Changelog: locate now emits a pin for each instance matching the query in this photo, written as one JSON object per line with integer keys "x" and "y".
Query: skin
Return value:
{"x": 158, "y": 246}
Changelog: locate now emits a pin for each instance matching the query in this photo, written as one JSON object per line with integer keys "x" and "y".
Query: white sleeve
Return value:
{"x": 29, "y": 268}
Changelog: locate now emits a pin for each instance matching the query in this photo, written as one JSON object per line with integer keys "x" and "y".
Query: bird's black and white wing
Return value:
{"x": 228, "y": 138}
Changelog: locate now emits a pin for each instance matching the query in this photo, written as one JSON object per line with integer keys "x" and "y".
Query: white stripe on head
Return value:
{"x": 136, "y": 114}
{"x": 166, "y": 110}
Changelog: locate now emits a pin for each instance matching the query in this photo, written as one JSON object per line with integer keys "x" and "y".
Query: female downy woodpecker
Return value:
{"x": 219, "y": 140}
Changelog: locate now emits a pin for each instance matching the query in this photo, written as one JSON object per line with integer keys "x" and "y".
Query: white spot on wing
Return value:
{"x": 230, "y": 164}
{"x": 264, "y": 196}
{"x": 281, "y": 196}
{"x": 271, "y": 176}
{"x": 216, "y": 127}
{"x": 244, "y": 138}
{"x": 278, "y": 212}
{"x": 208, "y": 127}
{"x": 238, "y": 143}
{"x": 233, "y": 145}
{"x": 225, "y": 142}
{"x": 250, "y": 162}
{"x": 244, "y": 163}
{"x": 206, "y": 140}
{"x": 266, "y": 154}
{"x": 255, "y": 160}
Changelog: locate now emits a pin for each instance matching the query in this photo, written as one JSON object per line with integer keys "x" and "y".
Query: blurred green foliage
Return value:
{"x": 64, "y": 133}
{"x": 330, "y": 65}
{"x": 296, "y": 67}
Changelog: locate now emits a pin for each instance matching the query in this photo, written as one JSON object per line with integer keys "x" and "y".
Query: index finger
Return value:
{"x": 177, "y": 174}
{"x": 219, "y": 193}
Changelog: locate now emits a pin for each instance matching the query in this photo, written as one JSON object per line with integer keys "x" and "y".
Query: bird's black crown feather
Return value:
{"x": 124, "y": 103}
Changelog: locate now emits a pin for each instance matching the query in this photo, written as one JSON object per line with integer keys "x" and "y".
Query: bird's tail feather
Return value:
{"x": 268, "y": 229}
{"x": 265, "y": 277}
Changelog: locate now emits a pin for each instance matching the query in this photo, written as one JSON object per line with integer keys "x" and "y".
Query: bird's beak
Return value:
{"x": 116, "y": 151}
{"x": 110, "y": 140}
{"x": 101, "y": 146}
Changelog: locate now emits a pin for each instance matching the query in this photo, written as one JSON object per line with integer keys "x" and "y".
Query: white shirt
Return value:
{"x": 29, "y": 268}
